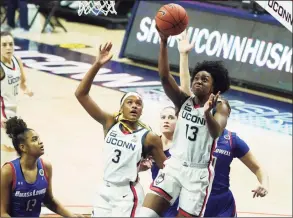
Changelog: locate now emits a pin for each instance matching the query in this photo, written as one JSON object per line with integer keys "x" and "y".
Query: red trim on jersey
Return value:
{"x": 45, "y": 171}
{"x": 210, "y": 174}
{"x": 13, "y": 64}
{"x": 184, "y": 213}
{"x": 125, "y": 132}
{"x": 196, "y": 106}
{"x": 160, "y": 192}
{"x": 13, "y": 176}
{"x": 135, "y": 200}
{"x": 3, "y": 107}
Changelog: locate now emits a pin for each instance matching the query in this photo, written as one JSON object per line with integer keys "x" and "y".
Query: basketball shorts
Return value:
{"x": 221, "y": 205}
{"x": 115, "y": 200}
{"x": 172, "y": 211}
{"x": 190, "y": 182}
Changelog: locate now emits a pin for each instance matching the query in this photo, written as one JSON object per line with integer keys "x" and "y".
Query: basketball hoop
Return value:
{"x": 96, "y": 7}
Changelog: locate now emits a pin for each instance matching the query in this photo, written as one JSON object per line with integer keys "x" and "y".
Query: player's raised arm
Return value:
{"x": 82, "y": 91}
{"x": 169, "y": 84}
{"x": 184, "y": 48}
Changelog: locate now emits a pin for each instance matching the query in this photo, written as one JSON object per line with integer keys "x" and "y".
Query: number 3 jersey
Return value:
{"x": 192, "y": 141}
{"x": 9, "y": 89}
{"x": 26, "y": 198}
{"x": 122, "y": 154}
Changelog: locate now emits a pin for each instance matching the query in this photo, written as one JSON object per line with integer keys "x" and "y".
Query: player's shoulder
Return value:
{"x": 17, "y": 59}
{"x": 46, "y": 164}
{"x": 7, "y": 171}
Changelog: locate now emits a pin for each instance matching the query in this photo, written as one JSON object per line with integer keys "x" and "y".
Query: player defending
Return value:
{"x": 201, "y": 119}
{"x": 127, "y": 140}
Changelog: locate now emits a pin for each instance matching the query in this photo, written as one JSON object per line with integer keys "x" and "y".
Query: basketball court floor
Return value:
{"x": 73, "y": 140}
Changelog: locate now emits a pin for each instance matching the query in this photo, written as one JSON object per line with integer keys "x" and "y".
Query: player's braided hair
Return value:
{"x": 16, "y": 129}
{"x": 218, "y": 72}
{"x": 121, "y": 119}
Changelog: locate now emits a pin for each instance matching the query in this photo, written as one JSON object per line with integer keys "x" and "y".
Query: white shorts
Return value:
{"x": 118, "y": 200}
{"x": 192, "y": 183}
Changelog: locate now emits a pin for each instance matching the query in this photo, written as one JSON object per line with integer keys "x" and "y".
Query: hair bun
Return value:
{"x": 15, "y": 126}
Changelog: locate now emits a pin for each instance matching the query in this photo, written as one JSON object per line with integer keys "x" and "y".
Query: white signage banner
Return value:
{"x": 280, "y": 10}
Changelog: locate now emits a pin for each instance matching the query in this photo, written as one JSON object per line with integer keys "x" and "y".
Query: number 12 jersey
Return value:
{"x": 9, "y": 89}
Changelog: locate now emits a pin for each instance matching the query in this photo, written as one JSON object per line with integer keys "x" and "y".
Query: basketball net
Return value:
{"x": 96, "y": 7}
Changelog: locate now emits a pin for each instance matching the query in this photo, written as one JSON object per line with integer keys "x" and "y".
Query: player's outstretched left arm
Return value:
{"x": 23, "y": 84}
{"x": 153, "y": 144}
{"x": 217, "y": 123}
{"x": 250, "y": 161}
{"x": 50, "y": 201}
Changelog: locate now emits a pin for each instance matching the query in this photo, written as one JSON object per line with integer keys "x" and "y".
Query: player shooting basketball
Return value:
{"x": 202, "y": 117}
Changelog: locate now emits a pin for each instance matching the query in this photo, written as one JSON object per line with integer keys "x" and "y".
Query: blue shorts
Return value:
{"x": 221, "y": 205}
{"x": 172, "y": 211}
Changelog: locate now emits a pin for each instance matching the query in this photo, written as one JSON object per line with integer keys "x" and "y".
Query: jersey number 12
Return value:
{"x": 16, "y": 89}
{"x": 191, "y": 132}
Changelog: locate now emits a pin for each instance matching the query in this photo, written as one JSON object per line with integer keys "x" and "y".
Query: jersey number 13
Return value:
{"x": 191, "y": 132}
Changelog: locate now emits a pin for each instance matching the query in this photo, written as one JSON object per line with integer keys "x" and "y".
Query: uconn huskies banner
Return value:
{"x": 257, "y": 50}
{"x": 281, "y": 10}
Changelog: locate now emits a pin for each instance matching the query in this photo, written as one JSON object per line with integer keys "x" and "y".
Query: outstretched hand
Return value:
{"x": 260, "y": 191}
{"x": 183, "y": 43}
{"x": 145, "y": 165}
{"x": 104, "y": 54}
{"x": 211, "y": 103}
{"x": 28, "y": 92}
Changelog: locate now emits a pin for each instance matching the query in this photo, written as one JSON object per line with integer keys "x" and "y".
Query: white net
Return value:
{"x": 96, "y": 7}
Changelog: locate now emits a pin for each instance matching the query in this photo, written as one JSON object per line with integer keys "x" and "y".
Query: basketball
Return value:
{"x": 171, "y": 19}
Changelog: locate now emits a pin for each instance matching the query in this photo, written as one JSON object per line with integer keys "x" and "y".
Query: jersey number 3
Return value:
{"x": 117, "y": 157}
{"x": 191, "y": 132}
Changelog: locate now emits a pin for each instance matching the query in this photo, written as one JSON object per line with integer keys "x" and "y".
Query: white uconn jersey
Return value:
{"x": 122, "y": 154}
{"x": 192, "y": 141}
{"x": 9, "y": 89}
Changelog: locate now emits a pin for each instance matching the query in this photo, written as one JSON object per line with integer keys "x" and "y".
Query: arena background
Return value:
{"x": 56, "y": 60}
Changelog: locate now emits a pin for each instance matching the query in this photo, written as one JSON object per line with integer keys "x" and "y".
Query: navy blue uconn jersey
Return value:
{"x": 26, "y": 198}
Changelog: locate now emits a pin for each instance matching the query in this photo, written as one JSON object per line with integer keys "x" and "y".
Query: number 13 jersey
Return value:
{"x": 9, "y": 89}
{"x": 192, "y": 141}
{"x": 122, "y": 154}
